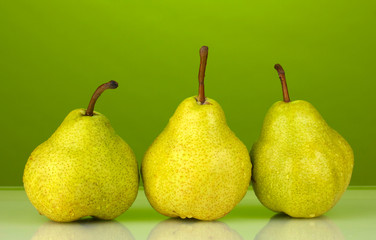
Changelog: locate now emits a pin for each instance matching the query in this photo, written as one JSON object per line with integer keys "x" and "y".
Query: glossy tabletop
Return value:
{"x": 354, "y": 217}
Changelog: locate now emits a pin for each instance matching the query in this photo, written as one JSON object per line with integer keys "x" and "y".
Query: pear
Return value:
{"x": 301, "y": 166}
{"x": 197, "y": 167}
{"x": 83, "y": 169}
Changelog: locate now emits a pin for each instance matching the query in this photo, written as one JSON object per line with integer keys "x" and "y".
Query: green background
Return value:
{"x": 53, "y": 54}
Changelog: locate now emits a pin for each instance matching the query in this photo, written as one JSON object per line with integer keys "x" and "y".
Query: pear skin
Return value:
{"x": 197, "y": 167}
{"x": 301, "y": 166}
{"x": 83, "y": 169}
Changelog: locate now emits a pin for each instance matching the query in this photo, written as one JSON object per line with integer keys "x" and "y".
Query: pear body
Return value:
{"x": 301, "y": 166}
{"x": 197, "y": 167}
{"x": 83, "y": 169}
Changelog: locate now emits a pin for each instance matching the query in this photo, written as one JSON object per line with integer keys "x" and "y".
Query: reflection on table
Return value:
{"x": 284, "y": 227}
{"x": 172, "y": 229}
{"x": 84, "y": 229}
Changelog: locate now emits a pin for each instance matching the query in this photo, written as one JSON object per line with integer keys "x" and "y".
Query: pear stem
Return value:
{"x": 201, "y": 73}
{"x": 109, "y": 85}
{"x": 282, "y": 77}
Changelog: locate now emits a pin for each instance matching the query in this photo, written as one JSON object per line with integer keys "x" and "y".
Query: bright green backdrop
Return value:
{"x": 53, "y": 54}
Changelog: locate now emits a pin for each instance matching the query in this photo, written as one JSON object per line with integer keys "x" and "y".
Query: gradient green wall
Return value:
{"x": 53, "y": 54}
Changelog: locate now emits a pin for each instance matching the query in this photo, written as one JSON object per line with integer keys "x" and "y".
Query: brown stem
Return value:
{"x": 201, "y": 73}
{"x": 282, "y": 77}
{"x": 109, "y": 85}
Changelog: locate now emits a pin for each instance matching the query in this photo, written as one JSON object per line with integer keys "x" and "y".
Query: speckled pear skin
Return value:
{"x": 301, "y": 166}
{"x": 83, "y": 169}
{"x": 197, "y": 167}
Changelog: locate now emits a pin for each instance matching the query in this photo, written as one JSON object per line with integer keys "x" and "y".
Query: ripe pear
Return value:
{"x": 301, "y": 166}
{"x": 83, "y": 169}
{"x": 197, "y": 167}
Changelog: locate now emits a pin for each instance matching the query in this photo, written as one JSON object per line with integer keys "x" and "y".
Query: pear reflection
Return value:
{"x": 83, "y": 229}
{"x": 283, "y": 227}
{"x": 192, "y": 229}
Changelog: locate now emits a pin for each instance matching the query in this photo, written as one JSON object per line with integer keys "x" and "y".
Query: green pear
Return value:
{"x": 301, "y": 166}
{"x": 83, "y": 169}
{"x": 197, "y": 167}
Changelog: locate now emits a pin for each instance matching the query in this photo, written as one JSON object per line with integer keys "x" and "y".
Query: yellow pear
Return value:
{"x": 83, "y": 169}
{"x": 197, "y": 167}
{"x": 301, "y": 166}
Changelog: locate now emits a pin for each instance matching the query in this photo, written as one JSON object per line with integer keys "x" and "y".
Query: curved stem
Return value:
{"x": 201, "y": 74}
{"x": 109, "y": 85}
{"x": 282, "y": 77}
